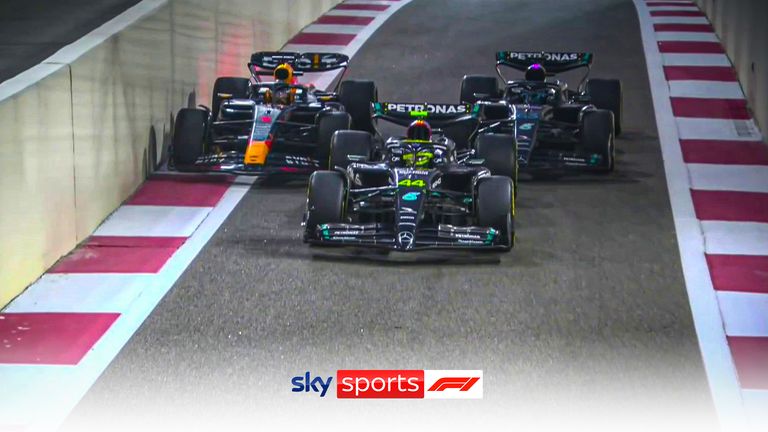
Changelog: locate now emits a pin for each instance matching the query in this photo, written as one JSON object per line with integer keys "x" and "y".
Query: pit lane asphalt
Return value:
{"x": 588, "y": 314}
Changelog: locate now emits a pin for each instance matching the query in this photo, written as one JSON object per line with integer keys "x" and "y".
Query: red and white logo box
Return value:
{"x": 409, "y": 384}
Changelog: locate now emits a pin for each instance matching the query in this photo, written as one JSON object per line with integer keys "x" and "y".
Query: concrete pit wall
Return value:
{"x": 742, "y": 26}
{"x": 80, "y": 140}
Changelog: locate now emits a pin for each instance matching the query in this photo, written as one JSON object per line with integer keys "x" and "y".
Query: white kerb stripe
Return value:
{"x": 714, "y": 129}
{"x": 677, "y": 59}
{"x": 742, "y": 178}
{"x": 679, "y": 20}
{"x": 706, "y": 89}
{"x": 333, "y": 28}
{"x": 313, "y": 48}
{"x": 744, "y": 314}
{"x": 686, "y": 36}
{"x": 735, "y": 238}
{"x": 82, "y": 293}
{"x": 679, "y": 7}
{"x": 755, "y": 402}
{"x": 348, "y": 12}
{"x": 153, "y": 221}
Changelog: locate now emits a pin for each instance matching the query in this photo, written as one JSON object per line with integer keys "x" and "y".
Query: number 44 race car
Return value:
{"x": 557, "y": 128}
{"x": 420, "y": 191}
{"x": 270, "y": 127}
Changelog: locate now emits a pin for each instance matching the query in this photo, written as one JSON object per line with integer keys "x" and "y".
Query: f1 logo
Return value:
{"x": 461, "y": 383}
{"x": 453, "y": 384}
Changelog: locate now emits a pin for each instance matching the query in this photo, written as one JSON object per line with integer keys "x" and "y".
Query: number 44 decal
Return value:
{"x": 412, "y": 183}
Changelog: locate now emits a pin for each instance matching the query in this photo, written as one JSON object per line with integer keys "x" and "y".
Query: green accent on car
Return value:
{"x": 411, "y": 196}
{"x": 419, "y": 114}
{"x": 492, "y": 233}
{"x": 468, "y": 200}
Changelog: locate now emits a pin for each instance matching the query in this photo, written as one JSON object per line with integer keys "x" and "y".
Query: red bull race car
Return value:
{"x": 274, "y": 126}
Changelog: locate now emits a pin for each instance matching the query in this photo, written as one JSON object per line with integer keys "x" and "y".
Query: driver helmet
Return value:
{"x": 419, "y": 130}
{"x": 283, "y": 73}
{"x": 535, "y": 72}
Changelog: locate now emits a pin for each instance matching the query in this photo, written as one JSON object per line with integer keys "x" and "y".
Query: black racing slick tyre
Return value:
{"x": 597, "y": 137}
{"x": 188, "y": 142}
{"x": 607, "y": 94}
{"x": 325, "y": 201}
{"x": 357, "y": 97}
{"x": 499, "y": 152}
{"x": 328, "y": 122}
{"x": 474, "y": 87}
{"x": 227, "y": 88}
{"x": 495, "y": 206}
{"x": 346, "y": 143}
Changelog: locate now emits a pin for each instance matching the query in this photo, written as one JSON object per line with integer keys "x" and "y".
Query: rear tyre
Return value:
{"x": 328, "y": 122}
{"x": 345, "y": 143}
{"x": 607, "y": 94}
{"x": 228, "y": 88}
{"x": 496, "y": 208}
{"x": 188, "y": 138}
{"x": 597, "y": 137}
{"x": 325, "y": 201}
{"x": 472, "y": 85}
{"x": 357, "y": 97}
{"x": 500, "y": 154}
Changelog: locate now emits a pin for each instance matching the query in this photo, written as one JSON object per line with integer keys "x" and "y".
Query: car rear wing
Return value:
{"x": 553, "y": 62}
{"x": 265, "y": 62}
{"x": 437, "y": 115}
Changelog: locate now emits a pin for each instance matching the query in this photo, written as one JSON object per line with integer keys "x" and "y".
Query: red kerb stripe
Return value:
{"x": 693, "y": 47}
{"x": 710, "y": 108}
{"x": 741, "y": 273}
{"x": 750, "y": 354}
{"x": 730, "y": 206}
{"x": 725, "y": 152}
{"x": 700, "y": 73}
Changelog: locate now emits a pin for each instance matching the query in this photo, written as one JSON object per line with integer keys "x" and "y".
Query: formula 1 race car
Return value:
{"x": 557, "y": 128}
{"x": 267, "y": 127}
{"x": 420, "y": 191}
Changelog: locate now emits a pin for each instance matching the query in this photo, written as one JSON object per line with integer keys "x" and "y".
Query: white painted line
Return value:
{"x": 153, "y": 221}
{"x": 755, "y": 402}
{"x": 680, "y": 20}
{"x": 82, "y": 293}
{"x": 76, "y": 49}
{"x": 735, "y": 238}
{"x": 706, "y": 89}
{"x": 744, "y": 314}
{"x": 717, "y": 129}
{"x": 333, "y": 28}
{"x": 48, "y": 405}
{"x": 721, "y": 372}
{"x": 686, "y": 36}
{"x": 676, "y": 59}
{"x": 348, "y": 12}
{"x": 742, "y": 178}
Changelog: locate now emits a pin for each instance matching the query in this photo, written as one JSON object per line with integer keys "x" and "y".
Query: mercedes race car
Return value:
{"x": 268, "y": 127}
{"x": 420, "y": 191}
{"x": 557, "y": 128}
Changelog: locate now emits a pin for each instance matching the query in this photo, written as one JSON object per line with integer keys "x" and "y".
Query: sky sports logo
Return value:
{"x": 395, "y": 384}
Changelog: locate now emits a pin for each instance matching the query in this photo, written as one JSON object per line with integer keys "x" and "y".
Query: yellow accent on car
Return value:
{"x": 256, "y": 153}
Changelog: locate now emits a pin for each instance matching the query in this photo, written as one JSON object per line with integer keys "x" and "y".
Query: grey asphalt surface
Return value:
{"x": 587, "y": 318}
{"x": 33, "y": 30}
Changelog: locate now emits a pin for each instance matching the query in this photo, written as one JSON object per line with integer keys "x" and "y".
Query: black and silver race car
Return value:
{"x": 421, "y": 191}
{"x": 557, "y": 128}
{"x": 261, "y": 128}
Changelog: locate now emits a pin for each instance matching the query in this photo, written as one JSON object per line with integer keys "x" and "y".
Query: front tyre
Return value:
{"x": 597, "y": 137}
{"x": 188, "y": 142}
{"x": 495, "y": 207}
{"x": 607, "y": 94}
{"x": 328, "y": 123}
{"x": 346, "y": 143}
{"x": 499, "y": 152}
{"x": 325, "y": 201}
{"x": 475, "y": 87}
{"x": 228, "y": 88}
{"x": 357, "y": 97}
